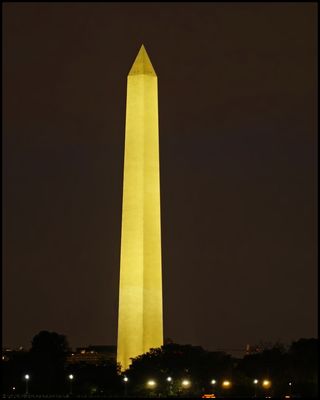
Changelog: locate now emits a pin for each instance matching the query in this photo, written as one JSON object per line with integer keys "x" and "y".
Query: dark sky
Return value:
{"x": 237, "y": 116}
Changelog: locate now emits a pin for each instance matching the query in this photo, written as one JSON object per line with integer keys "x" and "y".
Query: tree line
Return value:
{"x": 291, "y": 370}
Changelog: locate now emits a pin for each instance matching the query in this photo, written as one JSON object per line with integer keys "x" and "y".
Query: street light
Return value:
{"x": 266, "y": 384}
{"x": 213, "y": 382}
{"x": 226, "y": 384}
{"x": 151, "y": 384}
{"x": 169, "y": 380}
{"x": 186, "y": 383}
{"x": 290, "y": 388}
{"x": 70, "y": 379}
{"x": 27, "y": 377}
{"x": 255, "y": 382}
{"x": 125, "y": 380}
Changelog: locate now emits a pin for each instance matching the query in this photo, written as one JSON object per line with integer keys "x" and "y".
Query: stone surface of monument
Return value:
{"x": 140, "y": 324}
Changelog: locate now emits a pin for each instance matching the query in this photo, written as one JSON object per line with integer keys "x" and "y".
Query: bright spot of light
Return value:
{"x": 266, "y": 383}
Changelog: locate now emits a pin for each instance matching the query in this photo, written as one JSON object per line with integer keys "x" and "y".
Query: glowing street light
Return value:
{"x": 255, "y": 382}
{"x": 151, "y": 384}
{"x": 26, "y": 378}
{"x": 70, "y": 379}
{"x": 169, "y": 380}
{"x": 266, "y": 384}
{"x": 125, "y": 380}
{"x": 213, "y": 382}
{"x": 186, "y": 383}
{"x": 226, "y": 384}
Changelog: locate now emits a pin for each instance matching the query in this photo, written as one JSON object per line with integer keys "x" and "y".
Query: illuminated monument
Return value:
{"x": 140, "y": 324}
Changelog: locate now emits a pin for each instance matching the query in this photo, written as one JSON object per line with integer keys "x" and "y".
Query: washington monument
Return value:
{"x": 140, "y": 325}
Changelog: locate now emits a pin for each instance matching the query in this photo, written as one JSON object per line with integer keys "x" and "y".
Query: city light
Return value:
{"x": 290, "y": 389}
{"x": 151, "y": 383}
{"x": 27, "y": 377}
{"x": 125, "y": 380}
{"x": 226, "y": 384}
{"x": 169, "y": 379}
{"x": 213, "y": 382}
{"x": 255, "y": 382}
{"x": 71, "y": 379}
{"x": 186, "y": 383}
{"x": 266, "y": 383}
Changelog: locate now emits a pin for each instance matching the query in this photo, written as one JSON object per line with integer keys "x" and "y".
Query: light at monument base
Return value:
{"x": 186, "y": 383}
{"x": 266, "y": 383}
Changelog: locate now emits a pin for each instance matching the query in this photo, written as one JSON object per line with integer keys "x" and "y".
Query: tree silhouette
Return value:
{"x": 47, "y": 356}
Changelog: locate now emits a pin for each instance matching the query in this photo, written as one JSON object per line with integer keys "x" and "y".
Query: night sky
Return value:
{"x": 237, "y": 117}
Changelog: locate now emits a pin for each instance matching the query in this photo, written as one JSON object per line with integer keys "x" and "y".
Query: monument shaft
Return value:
{"x": 140, "y": 325}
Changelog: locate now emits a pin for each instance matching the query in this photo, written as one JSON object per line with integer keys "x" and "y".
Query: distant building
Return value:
{"x": 94, "y": 355}
{"x": 253, "y": 349}
{"x": 8, "y": 353}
